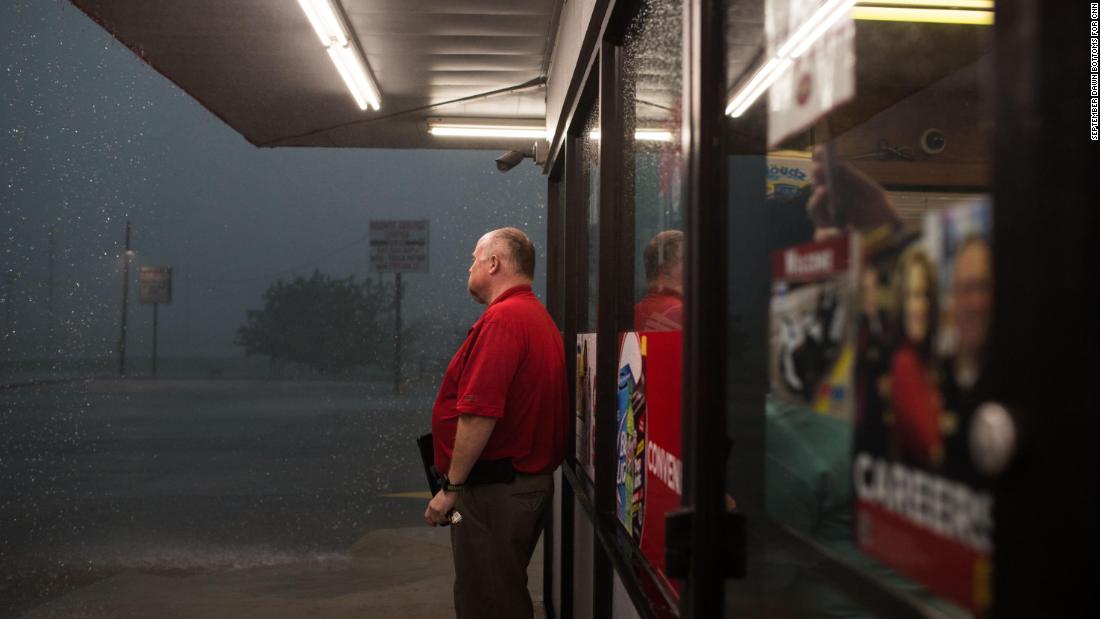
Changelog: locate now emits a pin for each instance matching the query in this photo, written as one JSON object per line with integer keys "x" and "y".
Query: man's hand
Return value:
{"x": 439, "y": 508}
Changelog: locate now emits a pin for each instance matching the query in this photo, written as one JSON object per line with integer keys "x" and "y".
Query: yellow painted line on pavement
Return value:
{"x": 408, "y": 495}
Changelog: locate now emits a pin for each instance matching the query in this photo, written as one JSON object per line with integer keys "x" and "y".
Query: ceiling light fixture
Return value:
{"x": 537, "y": 133}
{"x": 486, "y": 128}
{"x": 807, "y": 34}
{"x": 977, "y": 12}
{"x": 883, "y": 12}
{"x": 481, "y": 128}
{"x": 343, "y": 52}
{"x": 652, "y": 135}
{"x": 940, "y": 4}
{"x": 641, "y": 135}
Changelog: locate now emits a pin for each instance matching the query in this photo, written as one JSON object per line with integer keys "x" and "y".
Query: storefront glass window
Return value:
{"x": 238, "y": 440}
{"x": 585, "y": 379}
{"x": 653, "y": 116}
{"x": 590, "y": 162}
{"x": 873, "y": 300}
{"x": 650, "y": 352}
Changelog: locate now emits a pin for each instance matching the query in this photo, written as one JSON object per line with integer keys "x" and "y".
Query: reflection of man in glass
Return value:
{"x": 662, "y": 307}
{"x": 914, "y": 393}
{"x": 963, "y": 382}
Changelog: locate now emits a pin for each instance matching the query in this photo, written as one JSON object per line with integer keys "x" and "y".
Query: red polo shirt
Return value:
{"x": 659, "y": 311}
{"x": 511, "y": 367}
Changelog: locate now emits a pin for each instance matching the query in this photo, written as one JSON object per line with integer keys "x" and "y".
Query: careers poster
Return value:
{"x": 922, "y": 503}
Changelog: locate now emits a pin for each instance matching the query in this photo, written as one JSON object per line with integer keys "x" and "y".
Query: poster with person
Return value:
{"x": 810, "y": 343}
{"x": 921, "y": 505}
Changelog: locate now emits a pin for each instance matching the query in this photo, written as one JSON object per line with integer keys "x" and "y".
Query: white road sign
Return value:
{"x": 399, "y": 246}
{"x": 155, "y": 285}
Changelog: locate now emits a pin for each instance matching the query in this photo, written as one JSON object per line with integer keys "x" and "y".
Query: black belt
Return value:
{"x": 491, "y": 472}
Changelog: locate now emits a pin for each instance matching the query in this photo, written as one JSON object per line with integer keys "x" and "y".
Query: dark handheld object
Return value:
{"x": 435, "y": 483}
{"x": 427, "y": 456}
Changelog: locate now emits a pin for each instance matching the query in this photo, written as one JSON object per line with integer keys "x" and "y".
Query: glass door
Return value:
{"x": 912, "y": 420}
{"x": 861, "y": 231}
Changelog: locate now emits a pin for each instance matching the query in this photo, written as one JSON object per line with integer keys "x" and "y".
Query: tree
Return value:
{"x": 325, "y": 323}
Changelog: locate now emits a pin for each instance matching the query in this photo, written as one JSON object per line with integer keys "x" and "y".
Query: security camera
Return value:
{"x": 510, "y": 159}
{"x": 933, "y": 141}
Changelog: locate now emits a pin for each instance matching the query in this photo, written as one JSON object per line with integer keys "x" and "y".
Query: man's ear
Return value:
{"x": 494, "y": 264}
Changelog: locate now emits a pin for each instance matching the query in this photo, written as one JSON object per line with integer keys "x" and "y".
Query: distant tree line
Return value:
{"x": 329, "y": 324}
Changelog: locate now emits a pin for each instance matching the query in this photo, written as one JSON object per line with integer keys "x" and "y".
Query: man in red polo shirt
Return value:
{"x": 499, "y": 425}
{"x": 662, "y": 307}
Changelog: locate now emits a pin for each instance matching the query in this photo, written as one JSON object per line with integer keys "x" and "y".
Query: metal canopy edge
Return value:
{"x": 257, "y": 66}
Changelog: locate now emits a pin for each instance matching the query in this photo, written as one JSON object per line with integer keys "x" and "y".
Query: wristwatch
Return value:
{"x": 446, "y": 485}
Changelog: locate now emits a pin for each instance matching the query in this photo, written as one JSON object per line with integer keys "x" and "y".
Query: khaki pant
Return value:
{"x": 501, "y": 524}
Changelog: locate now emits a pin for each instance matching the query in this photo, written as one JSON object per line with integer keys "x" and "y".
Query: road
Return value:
{"x": 189, "y": 476}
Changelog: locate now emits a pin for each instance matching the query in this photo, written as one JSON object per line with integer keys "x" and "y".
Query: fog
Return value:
{"x": 94, "y": 137}
{"x": 229, "y": 479}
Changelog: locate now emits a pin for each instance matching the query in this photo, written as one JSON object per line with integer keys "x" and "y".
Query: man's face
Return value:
{"x": 478, "y": 282}
{"x": 972, "y": 295}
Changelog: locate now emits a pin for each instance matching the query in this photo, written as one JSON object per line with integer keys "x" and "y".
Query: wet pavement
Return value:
{"x": 146, "y": 485}
{"x": 404, "y": 573}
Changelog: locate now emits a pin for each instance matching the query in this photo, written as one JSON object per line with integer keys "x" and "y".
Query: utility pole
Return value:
{"x": 155, "y": 306}
{"x": 125, "y": 297}
{"x": 9, "y": 280}
{"x": 397, "y": 339}
{"x": 49, "y": 294}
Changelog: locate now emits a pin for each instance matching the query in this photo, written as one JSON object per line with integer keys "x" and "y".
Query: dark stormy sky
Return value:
{"x": 93, "y": 136}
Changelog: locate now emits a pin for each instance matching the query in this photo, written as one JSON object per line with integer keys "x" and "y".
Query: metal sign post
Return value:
{"x": 398, "y": 246}
{"x": 126, "y": 254}
{"x": 397, "y": 335}
{"x": 156, "y": 288}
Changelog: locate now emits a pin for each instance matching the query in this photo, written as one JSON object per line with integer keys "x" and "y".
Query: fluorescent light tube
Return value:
{"x": 641, "y": 135}
{"x": 809, "y": 32}
{"x": 842, "y": 9}
{"x": 759, "y": 83}
{"x": 343, "y": 53}
{"x": 926, "y": 15}
{"x": 653, "y": 135}
{"x": 358, "y": 75}
{"x": 315, "y": 21}
{"x": 334, "y": 54}
{"x": 810, "y": 26}
{"x": 934, "y": 11}
{"x": 457, "y": 129}
{"x": 324, "y": 21}
{"x": 943, "y": 4}
{"x": 486, "y": 131}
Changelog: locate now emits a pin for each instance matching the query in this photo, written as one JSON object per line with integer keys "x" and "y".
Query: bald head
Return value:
{"x": 514, "y": 248}
{"x": 502, "y": 259}
{"x": 662, "y": 253}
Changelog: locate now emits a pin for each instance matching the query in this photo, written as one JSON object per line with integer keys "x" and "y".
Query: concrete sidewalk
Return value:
{"x": 403, "y": 573}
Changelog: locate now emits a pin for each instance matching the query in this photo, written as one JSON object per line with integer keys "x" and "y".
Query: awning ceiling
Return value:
{"x": 258, "y": 65}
